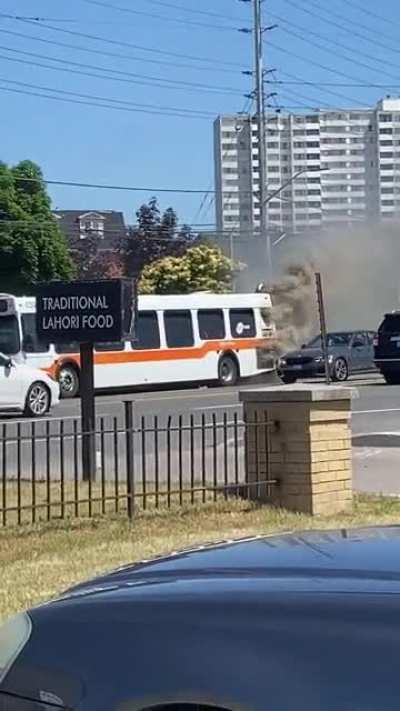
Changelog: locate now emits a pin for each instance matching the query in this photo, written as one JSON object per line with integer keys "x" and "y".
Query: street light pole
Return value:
{"x": 260, "y": 115}
{"x": 284, "y": 185}
{"x": 276, "y": 192}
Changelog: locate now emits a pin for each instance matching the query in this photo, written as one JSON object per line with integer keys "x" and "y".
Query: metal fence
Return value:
{"x": 142, "y": 463}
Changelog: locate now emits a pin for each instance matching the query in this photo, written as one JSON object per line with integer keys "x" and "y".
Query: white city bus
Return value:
{"x": 178, "y": 339}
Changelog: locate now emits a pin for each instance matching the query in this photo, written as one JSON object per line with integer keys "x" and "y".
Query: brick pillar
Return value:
{"x": 309, "y": 446}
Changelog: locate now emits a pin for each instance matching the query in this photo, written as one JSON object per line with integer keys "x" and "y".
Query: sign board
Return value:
{"x": 85, "y": 311}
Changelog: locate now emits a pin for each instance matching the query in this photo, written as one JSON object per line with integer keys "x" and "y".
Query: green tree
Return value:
{"x": 32, "y": 248}
{"x": 202, "y": 268}
{"x": 153, "y": 237}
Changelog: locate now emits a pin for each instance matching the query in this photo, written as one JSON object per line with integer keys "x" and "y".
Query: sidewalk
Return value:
{"x": 376, "y": 463}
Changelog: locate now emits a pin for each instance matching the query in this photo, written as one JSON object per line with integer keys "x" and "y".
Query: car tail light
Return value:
{"x": 375, "y": 341}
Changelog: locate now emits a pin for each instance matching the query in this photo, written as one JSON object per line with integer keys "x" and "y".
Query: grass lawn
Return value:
{"x": 36, "y": 562}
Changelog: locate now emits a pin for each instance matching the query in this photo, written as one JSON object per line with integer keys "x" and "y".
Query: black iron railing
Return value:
{"x": 142, "y": 462}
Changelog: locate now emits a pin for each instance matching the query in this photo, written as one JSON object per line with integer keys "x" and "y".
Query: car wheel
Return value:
{"x": 288, "y": 379}
{"x": 392, "y": 378}
{"x": 69, "y": 381}
{"x": 340, "y": 371}
{"x": 38, "y": 400}
{"x": 228, "y": 371}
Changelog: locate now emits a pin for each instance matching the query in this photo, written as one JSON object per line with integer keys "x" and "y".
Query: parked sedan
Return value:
{"x": 307, "y": 621}
{"x": 348, "y": 352}
{"x": 25, "y": 389}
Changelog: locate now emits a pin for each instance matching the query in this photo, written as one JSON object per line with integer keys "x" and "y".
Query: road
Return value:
{"x": 375, "y": 425}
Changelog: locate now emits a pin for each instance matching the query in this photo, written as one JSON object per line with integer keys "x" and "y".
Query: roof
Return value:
{"x": 204, "y": 300}
{"x": 174, "y": 301}
{"x": 114, "y": 224}
{"x": 349, "y": 561}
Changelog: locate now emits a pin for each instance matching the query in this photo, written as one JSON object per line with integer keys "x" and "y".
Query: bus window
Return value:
{"x": 242, "y": 322}
{"x": 178, "y": 329}
{"x": 30, "y": 340}
{"x": 110, "y": 346}
{"x": 9, "y": 335}
{"x": 147, "y": 331}
{"x": 211, "y": 324}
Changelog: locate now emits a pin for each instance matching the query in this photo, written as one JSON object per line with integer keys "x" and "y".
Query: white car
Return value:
{"x": 25, "y": 389}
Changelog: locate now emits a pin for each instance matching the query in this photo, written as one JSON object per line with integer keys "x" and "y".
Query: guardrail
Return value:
{"x": 142, "y": 463}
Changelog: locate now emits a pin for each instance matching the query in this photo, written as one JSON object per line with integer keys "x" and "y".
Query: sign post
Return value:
{"x": 88, "y": 412}
{"x": 322, "y": 321}
{"x": 86, "y": 312}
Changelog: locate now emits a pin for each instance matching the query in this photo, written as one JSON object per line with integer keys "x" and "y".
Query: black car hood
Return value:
{"x": 370, "y": 553}
{"x": 215, "y": 600}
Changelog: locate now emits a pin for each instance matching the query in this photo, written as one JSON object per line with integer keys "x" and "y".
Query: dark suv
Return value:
{"x": 387, "y": 348}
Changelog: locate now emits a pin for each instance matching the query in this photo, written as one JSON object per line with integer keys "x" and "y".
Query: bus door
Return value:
{"x": 36, "y": 353}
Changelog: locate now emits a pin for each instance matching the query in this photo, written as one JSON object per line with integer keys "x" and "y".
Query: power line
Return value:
{"x": 152, "y": 234}
{"x": 56, "y": 222}
{"x": 89, "y": 100}
{"x": 299, "y": 82}
{"x": 43, "y": 19}
{"x": 372, "y": 14}
{"x": 316, "y": 84}
{"x": 358, "y": 24}
{"x": 144, "y": 81}
{"x": 317, "y": 64}
{"x": 99, "y": 186}
{"x": 339, "y": 25}
{"x": 334, "y": 42}
{"x": 292, "y": 94}
{"x": 90, "y": 50}
{"x": 206, "y": 208}
{"x": 120, "y": 43}
{"x": 313, "y": 43}
{"x": 154, "y": 16}
{"x": 207, "y": 13}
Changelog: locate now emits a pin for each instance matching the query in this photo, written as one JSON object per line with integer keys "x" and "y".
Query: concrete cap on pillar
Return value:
{"x": 298, "y": 393}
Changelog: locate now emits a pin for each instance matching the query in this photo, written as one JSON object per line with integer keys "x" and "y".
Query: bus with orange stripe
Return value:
{"x": 198, "y": 337}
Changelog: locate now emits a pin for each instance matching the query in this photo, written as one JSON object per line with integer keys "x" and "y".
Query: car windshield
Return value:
{"x": 333, "y": 339}
{"x": 9, "y": 335}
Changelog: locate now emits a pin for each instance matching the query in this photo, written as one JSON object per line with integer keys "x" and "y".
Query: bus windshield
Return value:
{"x": 9, "y": 335}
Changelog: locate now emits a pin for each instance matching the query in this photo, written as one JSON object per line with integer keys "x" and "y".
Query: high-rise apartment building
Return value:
{"x": 350, "y": 159}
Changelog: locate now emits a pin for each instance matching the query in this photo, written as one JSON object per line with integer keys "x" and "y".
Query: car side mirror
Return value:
{"x": 7, "y": 363}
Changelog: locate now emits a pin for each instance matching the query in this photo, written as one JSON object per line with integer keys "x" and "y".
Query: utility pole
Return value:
{"x": 258, "y": 32}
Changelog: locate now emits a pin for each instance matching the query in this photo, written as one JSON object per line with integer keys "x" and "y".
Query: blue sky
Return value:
{"x": 103, "y": 145}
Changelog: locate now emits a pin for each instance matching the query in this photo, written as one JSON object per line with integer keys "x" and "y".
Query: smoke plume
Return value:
{"x": 293, "y": 299}
{"x": 360, "y": 277}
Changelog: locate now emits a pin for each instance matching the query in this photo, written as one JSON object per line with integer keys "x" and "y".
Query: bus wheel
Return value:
{"x": 228, "y": 371}
{"x": 69, "y": 381}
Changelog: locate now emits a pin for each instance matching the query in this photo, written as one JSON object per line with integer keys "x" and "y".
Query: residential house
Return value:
{"x": 107, "y": 225}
